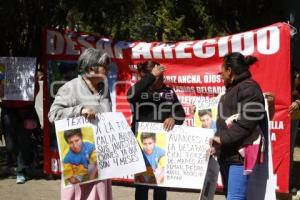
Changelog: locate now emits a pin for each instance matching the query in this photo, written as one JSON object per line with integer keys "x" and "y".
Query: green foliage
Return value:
{"x": 142, "y": 27}
{"x": 143, "y": 20}
{"x": 22, "y": 22}
{"x": 171, "y": 26}
{"x": 209, "y": 24}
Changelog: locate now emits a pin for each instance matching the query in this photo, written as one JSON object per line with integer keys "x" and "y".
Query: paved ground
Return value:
{"x": 43, "y": 189}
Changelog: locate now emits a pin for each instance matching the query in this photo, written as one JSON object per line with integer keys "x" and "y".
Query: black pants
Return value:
{"x": 17, "y": 139}
{"x": 294, "y": 129}
{"x": 141, "y": 193}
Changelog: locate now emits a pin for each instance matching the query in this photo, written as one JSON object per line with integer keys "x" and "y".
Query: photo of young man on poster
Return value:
{"x": 207, "y": 120}
{"x": 155, "y": 160}
{"x": 79, "y": 159}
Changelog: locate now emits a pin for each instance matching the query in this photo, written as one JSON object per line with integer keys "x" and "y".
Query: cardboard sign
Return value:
{"x": 18, "y": 79}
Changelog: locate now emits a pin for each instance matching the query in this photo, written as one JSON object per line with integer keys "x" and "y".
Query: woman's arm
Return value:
{"x": 252, "y": 110}
{"x": 62, "y": 106}
{"x": 135, "y": 91}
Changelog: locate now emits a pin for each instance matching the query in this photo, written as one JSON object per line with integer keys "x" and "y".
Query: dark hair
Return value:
{"x": 204, "y": 112}
{"x": 148, "y": 135}
{"x": 72, "y": 132}
{"x": 146, "y": 67}
{"x": 238, "y": 62}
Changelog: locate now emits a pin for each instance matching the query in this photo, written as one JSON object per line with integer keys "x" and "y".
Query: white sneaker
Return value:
{"x": 20, "y": 179}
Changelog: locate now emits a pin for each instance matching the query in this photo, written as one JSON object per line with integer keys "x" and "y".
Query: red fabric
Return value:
{"x": 253, "y": 156}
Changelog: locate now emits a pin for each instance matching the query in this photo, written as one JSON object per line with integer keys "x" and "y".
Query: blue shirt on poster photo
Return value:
{"x": 82, "y": 157}
{"x": 154, "y": 157}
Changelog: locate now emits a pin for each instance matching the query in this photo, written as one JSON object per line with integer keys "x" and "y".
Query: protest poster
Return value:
{"x": 99, "y": 149}
{"x": 173, "y": 159}
{"x": 17, "y": 76}
{"x": 205, "y": 112}
{"x": 119, "y": 152}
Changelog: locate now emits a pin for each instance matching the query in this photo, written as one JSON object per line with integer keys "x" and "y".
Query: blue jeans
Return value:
{"x": 235, "y": 182}
{"x": 17, "y": 138}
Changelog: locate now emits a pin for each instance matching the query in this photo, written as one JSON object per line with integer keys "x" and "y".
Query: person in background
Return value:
{"x": 243, "y": 98}
{"x": 295, "y": 115}
{"x": 20, "y": 121}
{"x": 86, "y": 96}
{"x": 152, "y": 101}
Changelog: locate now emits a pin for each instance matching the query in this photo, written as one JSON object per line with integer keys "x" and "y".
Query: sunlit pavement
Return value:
{"x": 43, "y": 189}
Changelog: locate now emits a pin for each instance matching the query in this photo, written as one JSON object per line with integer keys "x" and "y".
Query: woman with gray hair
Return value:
{"x": 86, "y": 96}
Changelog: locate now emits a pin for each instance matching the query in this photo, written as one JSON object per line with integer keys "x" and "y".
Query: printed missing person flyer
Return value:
{"x": 205, "y": 112}
{"x": 173, "y": 159}
{"x": 99, "y": 149}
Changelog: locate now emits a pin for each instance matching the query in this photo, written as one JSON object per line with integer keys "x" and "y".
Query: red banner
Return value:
{"x": 191, "y": 69}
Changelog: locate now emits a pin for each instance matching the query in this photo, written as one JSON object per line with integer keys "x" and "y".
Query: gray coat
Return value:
{"x": 73, "y": 96}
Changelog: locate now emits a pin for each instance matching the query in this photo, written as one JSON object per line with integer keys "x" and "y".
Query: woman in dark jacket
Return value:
{"x": 244, "y": 100}
{"x": 152, "y": 101}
